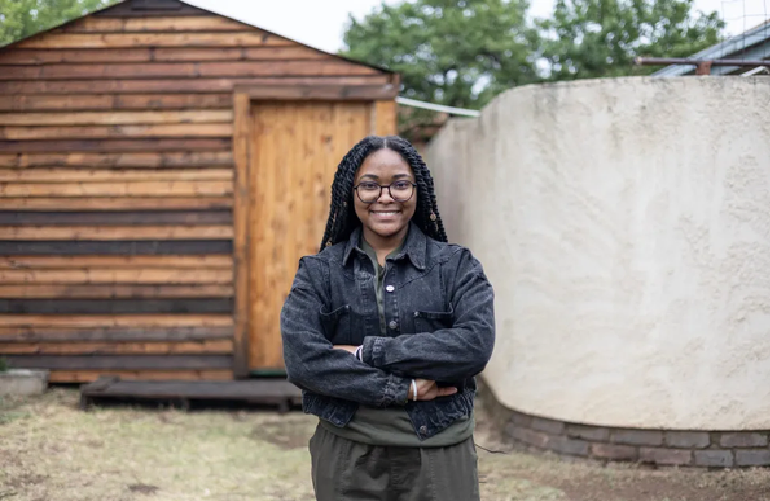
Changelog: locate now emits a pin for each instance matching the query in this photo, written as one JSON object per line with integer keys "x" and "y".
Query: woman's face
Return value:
{"x": 389, "y": 214}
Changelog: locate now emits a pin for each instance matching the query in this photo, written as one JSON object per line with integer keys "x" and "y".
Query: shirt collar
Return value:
{"x": 414, "y": 248}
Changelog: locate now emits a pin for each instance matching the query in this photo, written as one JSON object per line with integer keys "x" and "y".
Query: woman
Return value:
{"x": 384, "y": 331}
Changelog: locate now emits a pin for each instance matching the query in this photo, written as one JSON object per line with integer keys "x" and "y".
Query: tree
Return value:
{"x": 22, "y": 18}
{"x": 601, "y": 38}
{"x": 455, "y": 52}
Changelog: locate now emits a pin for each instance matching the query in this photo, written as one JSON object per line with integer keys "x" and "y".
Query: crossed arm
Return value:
{"x": 384, "y": 373}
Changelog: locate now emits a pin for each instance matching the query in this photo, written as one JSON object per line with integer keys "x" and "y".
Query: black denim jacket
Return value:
{"x": 438, "y": 308}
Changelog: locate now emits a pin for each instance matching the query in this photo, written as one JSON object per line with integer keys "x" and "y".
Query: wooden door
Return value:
{"x": 293, "y": 149}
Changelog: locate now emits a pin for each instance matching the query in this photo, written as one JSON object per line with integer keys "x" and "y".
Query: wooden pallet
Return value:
{"x": 278, "y": 392}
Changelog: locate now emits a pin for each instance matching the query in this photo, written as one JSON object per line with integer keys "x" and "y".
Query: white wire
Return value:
{"x": 755, "y": 71}
{"x": 437, "y": 107}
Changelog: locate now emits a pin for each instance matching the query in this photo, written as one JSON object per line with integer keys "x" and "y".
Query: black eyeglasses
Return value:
{"x": 400, "y": 191}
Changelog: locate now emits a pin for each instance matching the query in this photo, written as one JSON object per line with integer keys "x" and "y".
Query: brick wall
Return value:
{"x": 701, "y": 449}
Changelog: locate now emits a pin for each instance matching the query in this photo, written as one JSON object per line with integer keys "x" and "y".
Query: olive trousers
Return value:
{"x": 343, "y": 470}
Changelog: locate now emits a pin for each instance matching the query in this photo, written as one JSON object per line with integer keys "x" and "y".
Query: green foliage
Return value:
{"x": 464, "y": 52}
{"x": 454, "y": 52}
{"x": 601, "y": 38}
{"x": 3, "y": 365}
{"x": 22, "y": 18}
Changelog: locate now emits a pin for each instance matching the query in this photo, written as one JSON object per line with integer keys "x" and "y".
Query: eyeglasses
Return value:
{"x": 400, "y": 191}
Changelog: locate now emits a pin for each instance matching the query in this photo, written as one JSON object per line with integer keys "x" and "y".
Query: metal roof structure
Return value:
{"x": 751, "y": 45}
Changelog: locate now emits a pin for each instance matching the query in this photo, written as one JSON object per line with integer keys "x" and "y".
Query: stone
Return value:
{"x": 715, "y": 458}
{"x": 565, "y": 445}
{"x": 520, "y": 419}
{"x": 688, "y": 439}
{"x": 637, "y": 437}
{"x": 669, "y": 457}
{"x": 614, "y": 452}
{"x": 530, "y": 437}
{"x": 743, "y": 439}
{"x": 595, "y": 434}
{"x": 23, "y": 382}
{"x": 547, "y": 425}
{"x": 752, "y": 458}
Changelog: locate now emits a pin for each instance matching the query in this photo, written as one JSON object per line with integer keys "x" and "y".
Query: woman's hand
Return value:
{"x": 427, "y": 390}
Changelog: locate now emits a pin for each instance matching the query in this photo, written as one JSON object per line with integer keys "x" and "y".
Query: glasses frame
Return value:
{"x": 388, "y": 186}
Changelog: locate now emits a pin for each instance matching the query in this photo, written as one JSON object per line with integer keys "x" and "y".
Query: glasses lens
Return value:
{"x": 401, "y": 191}
{"x": 368, "y": 192}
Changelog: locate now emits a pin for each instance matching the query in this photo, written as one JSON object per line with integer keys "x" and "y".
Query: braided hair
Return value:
{"x": 342, "y": 216}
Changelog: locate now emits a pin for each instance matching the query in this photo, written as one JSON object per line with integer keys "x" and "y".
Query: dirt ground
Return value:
{"x": 49, "y": 450}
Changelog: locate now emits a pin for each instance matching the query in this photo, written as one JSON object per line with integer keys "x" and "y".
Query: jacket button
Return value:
{"x": 393, "y": 324}
{"x": 389, "y": 288}
{"x": 423, "y": 429}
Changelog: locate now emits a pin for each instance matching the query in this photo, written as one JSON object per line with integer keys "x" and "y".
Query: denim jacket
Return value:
{"x": 438, "y": 307}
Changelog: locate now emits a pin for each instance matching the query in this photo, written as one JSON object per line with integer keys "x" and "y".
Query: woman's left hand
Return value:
{"x": 351, "y": 349}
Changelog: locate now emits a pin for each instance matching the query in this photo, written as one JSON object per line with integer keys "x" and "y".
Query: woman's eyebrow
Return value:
{"x": 375, "y": 177}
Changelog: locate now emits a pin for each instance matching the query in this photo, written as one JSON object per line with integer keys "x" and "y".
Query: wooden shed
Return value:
{"x": 162, "y": 169}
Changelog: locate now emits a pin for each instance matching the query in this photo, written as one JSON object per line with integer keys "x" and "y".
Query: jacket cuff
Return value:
{"x": 373, "y": 351}
{"x": 396, "y": 391}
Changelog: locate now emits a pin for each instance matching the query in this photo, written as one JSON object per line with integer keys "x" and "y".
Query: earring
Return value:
{"x": 432, "y": 216}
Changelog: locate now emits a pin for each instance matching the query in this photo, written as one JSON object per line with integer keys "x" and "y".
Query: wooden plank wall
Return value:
{"x": 116, "y": 178}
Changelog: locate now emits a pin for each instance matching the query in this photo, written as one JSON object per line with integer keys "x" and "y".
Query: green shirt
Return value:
{"x": 392, "y": 427}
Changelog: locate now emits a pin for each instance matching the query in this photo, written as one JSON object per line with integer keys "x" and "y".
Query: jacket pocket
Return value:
{"x": 336, "y": 324}
{"x": 429, "y": 321}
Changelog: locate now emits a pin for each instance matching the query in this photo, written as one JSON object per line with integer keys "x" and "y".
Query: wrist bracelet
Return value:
{"x": 358, "y": 353}
{"x": 414, "y": 390}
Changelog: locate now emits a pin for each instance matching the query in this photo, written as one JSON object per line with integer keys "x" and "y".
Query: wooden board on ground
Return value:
{"x": 277, "y": 392}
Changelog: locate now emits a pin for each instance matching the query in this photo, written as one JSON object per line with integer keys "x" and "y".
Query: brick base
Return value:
{"x": 699, "y": 449}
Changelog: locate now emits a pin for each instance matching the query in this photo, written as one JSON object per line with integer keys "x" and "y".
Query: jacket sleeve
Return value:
{"x": 450, "y": 354}
{"x": 311, "y": 361}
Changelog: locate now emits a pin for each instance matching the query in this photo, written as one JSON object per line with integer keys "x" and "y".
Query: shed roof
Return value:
{"x": 175, "y": 7}
{"x": 751, "y": 45}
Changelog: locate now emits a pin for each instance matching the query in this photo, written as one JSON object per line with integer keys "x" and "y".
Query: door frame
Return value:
{"x": 383, "y": 122}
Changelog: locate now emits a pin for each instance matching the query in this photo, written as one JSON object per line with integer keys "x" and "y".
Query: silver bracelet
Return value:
{"x": 414, "y": 390}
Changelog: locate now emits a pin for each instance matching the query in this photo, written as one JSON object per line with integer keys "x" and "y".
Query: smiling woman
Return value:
{"x": 385, "y": 330}
{"x": 385, "y": 216}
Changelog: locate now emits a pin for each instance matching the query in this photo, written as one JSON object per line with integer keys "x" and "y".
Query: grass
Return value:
{"x": 50, "y": 450}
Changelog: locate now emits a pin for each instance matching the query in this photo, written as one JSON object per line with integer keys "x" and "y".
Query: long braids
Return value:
{"x": 342, "y": 215}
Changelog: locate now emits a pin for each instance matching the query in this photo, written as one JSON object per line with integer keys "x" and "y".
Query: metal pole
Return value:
{"x": 665, "y": 61}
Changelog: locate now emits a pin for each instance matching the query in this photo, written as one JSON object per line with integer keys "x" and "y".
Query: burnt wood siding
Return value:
{"x": 116, "y": 186}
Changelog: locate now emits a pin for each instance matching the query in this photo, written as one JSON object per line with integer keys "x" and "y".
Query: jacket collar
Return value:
{"x": 414, "y": 248}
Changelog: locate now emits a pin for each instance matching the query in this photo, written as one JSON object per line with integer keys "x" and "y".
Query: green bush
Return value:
{"x": 3, "y": 365}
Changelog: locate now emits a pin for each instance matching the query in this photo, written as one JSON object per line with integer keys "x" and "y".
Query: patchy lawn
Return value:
{"x": 49, "y": 450}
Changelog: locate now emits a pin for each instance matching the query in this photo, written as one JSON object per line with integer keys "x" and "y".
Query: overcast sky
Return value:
{"x": 320, "y": 23}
